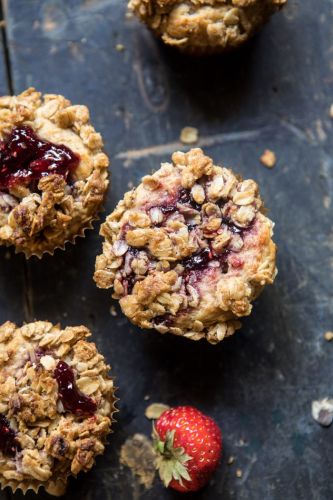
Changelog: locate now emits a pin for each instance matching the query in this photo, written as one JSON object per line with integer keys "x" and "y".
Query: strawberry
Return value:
{"x": 188, "y": 446}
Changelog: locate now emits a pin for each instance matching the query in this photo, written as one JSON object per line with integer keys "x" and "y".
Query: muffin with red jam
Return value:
{"x": 56, "y": 405}
{"x": 188, "y": 250}
{"x": 53, "y": 172}
{"x": 205, "y": 26}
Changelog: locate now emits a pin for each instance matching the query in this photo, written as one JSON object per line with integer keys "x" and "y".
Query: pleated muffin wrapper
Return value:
{"x": 46, "y": 212}
{"x": 63, "y": 444}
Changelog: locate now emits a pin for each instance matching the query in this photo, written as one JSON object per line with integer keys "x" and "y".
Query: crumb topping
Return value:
{"x": 188, "y": 250}
{"x": 205, "y": 25}
{"x": 43, "y": 440}
{"x": 67, "y": 193}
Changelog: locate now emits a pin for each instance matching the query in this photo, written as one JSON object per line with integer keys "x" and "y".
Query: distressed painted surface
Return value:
{"x": 273, "y": 94}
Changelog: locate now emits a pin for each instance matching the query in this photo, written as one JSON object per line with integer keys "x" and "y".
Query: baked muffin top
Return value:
{"x": 205, "y": 26}
{"x": 188, "y": 250}
{"x": 53, "y": 172}
{"x": 56, "y": 405}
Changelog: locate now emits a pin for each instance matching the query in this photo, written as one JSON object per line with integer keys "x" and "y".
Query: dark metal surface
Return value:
{"x": 274, "y": 93}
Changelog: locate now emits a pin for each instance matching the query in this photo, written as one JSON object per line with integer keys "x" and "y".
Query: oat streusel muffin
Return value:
{"x": 53, "y": 172}
{"x": 205, "y": 26}
{"x": 56, "y": 405}
{"x": 188, "y": 250}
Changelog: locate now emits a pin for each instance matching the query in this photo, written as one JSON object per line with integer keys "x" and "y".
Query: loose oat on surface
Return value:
{"x": 38, "y": 218}
{"x": 189, "y": 135}
{"x": 188, "y": 250}
{"x": 268, "y": 158}
{"x": 49, "y": 442}
{"x": 322, "y": 411}
{"x": 328, "y": 336}
{"x": 205, "y": 26}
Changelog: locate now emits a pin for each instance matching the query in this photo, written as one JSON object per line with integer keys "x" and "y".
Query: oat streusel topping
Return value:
{"x": 188, "y": 250}
{"x": 40, "y": 216}
{"x": 201, "y": 26}
{"x": 42, "y": 442}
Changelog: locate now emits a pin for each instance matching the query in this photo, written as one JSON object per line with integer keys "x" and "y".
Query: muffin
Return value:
{"x": 205, "y": 26}
{"x": 188, "y": 250}
{"x": 56, "y": 405}
{"x": 53, "y": 172}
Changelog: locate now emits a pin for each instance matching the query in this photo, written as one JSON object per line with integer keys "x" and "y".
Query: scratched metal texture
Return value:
{"x": 274, "y": 93}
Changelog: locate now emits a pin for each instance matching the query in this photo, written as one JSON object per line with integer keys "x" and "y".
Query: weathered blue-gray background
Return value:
{"x": 276, "y": 94}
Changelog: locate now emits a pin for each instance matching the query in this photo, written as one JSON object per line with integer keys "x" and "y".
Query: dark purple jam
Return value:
{"x": 165, "y": 319}
{"x": 73, "y": 400}
{"x": 233, "y": 228}
{"x": 200, "y": 260}
{"x": 25, "y": 158}
{"x": 168, "y": 209}
{"x": 8, "y": 441}
{"x": 197, "y": 261}
{"x": 186, "y": 197}
{"x": 129, "y": 281}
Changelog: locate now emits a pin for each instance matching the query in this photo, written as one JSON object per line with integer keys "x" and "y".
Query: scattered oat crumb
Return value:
{"x": 130, "y": 184}
{"x": 239, "y": 473}
{"x": 231, "y": 460}
{"x": 331, "y": 111}
{"x": 146, "y": 397}
{"x": 328, "y": 336}
{"x": 120, "y": 47}
{"x": 268, "y": 158}
{"x": 129, "y": 15}
{"x": 189, "y": 135}
{"x": 65, "y": 314}
{"x": 113, "y": 311}
{"x": 138, "y": 454}
{"x": 154, "y": 410}
{"x": 322, "y": 411}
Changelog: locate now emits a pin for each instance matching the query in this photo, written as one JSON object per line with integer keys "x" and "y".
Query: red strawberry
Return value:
{"x": 189, "y": 446}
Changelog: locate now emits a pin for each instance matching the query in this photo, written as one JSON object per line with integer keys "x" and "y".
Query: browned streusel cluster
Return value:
{"x": 201, "y": 26}
{"x": 44, "y": 215}
{"x": 188, "y": 250}
{"x": 48, "y": 428}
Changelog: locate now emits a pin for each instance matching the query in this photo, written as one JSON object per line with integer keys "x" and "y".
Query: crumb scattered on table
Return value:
{"x": 231, "y": 460}
{"x": 331, "y": 111}
{"x": 328, "y": 336}
{"x": 239, "y": 473}
{"x": 130, "y": 184}
{"x": 138, "y": 454}
{"x": 322, "y": 411}
{"x": 268, "y": 158}
{"x": 113, "y": 311}
{"x": 189, "y": 135}
{"x": 146, "y": 397}
{"x": 120, "y": 47}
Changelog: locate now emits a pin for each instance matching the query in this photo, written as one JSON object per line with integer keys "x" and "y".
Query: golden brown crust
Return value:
{"x": 38, "y": 222}
{"x": 54, "y": 442}
{"x": 188, "y": 250}
{"x": 205, "y": 26}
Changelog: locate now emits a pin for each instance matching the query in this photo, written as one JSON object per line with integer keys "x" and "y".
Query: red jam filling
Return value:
{"x": 8, "y": 441}
{"x": 71, "y": 397}
{"x": 25, "y": 158}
